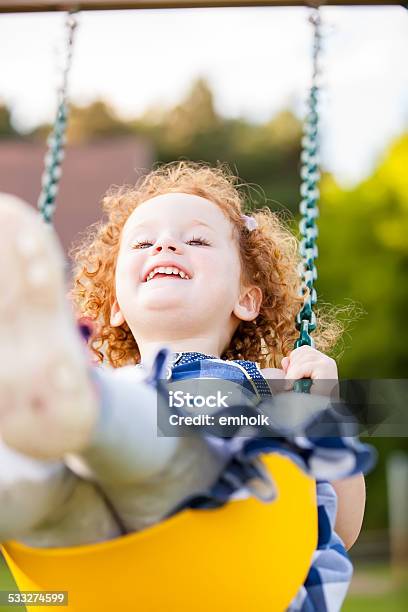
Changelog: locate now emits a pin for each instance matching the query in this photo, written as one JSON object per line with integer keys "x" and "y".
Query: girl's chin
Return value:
{"x": 164, "y": 319}
{"x": 163, "y": 301}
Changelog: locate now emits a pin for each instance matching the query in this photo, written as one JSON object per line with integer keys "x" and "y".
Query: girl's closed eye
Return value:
{"x": 199, "y": 240}
{"x": 143, "y": 244}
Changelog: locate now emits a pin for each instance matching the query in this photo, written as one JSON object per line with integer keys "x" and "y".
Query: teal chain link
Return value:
{"x": 309, "y": 190}
{"x": 56, "y": 141}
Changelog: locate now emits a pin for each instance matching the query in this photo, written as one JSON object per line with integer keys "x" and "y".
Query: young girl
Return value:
{"x": 176, "y": 264}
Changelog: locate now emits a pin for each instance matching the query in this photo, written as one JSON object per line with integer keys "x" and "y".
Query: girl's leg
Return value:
{"x": 47, "y": 403}
{"x": 49, "y": 406}
{"x": 44, "y": 504}
{"x": 30, "y": 490}
{"x": 125, "y": 446}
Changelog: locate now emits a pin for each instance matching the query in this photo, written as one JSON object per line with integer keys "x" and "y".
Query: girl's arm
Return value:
{"x": 350, "y": 508}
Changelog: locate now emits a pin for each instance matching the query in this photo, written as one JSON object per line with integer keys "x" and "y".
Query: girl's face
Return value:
{"x": 178, "y": 270}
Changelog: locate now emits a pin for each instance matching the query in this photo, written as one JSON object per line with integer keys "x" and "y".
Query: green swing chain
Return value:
{"x": 309, "y": 190}
{"x": 56, "y": 140}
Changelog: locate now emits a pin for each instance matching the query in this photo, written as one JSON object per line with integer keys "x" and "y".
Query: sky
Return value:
{"x": 256, "y": 60}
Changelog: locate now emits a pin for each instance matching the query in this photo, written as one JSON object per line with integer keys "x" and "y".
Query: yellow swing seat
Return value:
{"x": 246, "y": 556}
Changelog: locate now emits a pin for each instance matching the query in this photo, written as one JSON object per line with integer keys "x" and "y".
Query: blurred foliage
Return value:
{"x": 363, "y": 231}
{"x": 265, "y": 155}
{"x": 363, "y": 248}
{"x": 98, "y": 120}
{"x": 364, "y": 254}
{"x": 88, "y": 123}
{"x": 6, "y": 128}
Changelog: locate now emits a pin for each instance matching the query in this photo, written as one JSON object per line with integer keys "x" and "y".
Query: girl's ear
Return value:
{"x": 116, "y": 316}
{"x": 248, "y": 304}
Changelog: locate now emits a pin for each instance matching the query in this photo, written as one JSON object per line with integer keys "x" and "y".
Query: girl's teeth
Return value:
{"x": 166, "y": 270}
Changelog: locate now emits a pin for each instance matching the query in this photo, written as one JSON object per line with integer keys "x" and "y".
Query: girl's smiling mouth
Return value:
{"x": 169, "y": 271}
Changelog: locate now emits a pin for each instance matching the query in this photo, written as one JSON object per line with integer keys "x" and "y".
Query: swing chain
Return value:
{"x": 309, "y": 190}
{"x": 56, "y": 140}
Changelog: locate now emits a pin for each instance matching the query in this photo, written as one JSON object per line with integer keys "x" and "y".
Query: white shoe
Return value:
{"x": 47, "y": 404}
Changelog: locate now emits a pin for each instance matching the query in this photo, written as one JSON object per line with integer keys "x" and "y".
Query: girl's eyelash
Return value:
{"x": 199, "y": 239}
{"x": 138, "y": 245}
{"x": 144, "y": 243}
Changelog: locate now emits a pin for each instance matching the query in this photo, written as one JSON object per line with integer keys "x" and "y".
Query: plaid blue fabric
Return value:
{"x": 328, "y": 580}
{"x": 336, "y": 456}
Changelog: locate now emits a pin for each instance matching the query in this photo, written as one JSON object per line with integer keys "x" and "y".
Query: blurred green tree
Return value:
{"x": 6, "y": 127}
{"x": 193, "y": 118}
{"x": 364, "y": 257}
{"x": 264, "y": 154}
{"x": 88, "y": 123}
{"x": 98, "y": 120}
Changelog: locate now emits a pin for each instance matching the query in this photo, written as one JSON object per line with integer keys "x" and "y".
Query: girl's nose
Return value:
{"x": 167, "y": 243}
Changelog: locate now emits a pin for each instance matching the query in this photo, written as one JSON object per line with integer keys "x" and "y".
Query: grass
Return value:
{"x": 7, "y": 584}
{"x": 393, "y": 601}
{"x": 374, "y": 590}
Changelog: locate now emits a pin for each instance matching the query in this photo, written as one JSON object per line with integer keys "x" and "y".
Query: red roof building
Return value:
{"x": 88, "y": 171}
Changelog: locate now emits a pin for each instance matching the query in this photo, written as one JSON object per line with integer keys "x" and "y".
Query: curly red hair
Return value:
{"x": 269, "y": 259}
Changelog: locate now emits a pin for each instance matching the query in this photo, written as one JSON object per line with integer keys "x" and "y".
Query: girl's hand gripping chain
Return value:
{"x": 307, "y": 362}
{"x": 47, "y": 404}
